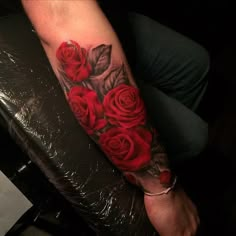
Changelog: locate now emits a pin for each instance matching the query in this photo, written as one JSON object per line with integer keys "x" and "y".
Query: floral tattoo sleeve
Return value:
{"x": 112, "y": 112}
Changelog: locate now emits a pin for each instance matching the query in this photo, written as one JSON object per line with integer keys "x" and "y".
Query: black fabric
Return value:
{"x": 36, "y": 114}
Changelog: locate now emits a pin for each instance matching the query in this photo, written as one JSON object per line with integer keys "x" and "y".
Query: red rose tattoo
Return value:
{"x": 128, "y": 149}
{"x": 124, "y": 107}
{"x": 112, "y": 112}
{"x": 87, "y": 109}
{"x": 165, "y": 177}
{"x": 74, "y": 61}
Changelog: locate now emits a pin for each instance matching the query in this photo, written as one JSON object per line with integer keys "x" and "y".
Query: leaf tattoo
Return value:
{"x": 100, "y": 58}
{"x": 112, "y": 112}
{"x": 116, "y": 77}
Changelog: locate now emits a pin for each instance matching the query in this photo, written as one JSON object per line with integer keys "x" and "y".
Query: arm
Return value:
{"x": 89, "y": 62}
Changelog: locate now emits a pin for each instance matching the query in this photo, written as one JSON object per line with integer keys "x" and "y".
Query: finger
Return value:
{"x": 198, "y": 220}
{"x": 195, "y": 213}
{"x": 194, "y": 208}
{"x": 193, "y": 218}
{"x": 196, "y": 216}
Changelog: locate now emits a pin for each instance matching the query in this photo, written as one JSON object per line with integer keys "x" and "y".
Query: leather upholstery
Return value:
{"x": 33, "y": 109}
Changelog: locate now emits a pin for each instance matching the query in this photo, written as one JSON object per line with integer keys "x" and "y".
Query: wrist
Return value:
{"x": 156, "y": 177}
{"x": 153, "y": 184}
{"x": 160, "y": 192}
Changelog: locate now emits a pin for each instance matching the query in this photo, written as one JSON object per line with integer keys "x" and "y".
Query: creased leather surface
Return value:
{"x": 38, "y": 117}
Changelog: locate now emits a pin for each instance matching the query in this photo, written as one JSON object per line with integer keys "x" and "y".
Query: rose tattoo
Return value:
{"x": 87, "y": 109}
{"x": 129, "y": 149}
{"x": 124, "y": 107}
{"x": 74, "y": 61}
{"x": 111, "y": 111}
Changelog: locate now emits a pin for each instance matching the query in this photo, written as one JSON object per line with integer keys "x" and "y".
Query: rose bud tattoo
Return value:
{"x": 74, "y": 61}
{"x": 112, "y": 112}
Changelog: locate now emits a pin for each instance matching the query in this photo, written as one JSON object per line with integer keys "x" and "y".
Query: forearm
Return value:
{"x": 90, "y": 64}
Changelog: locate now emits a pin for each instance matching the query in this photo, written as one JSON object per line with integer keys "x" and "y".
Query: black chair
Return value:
{"x": 34, "y": 112}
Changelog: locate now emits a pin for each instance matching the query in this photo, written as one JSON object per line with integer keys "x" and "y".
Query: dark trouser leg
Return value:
{"x": 170, "y": 70}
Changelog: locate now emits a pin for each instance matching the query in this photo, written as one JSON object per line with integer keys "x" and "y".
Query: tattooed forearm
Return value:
{"x": 112, "y": 112}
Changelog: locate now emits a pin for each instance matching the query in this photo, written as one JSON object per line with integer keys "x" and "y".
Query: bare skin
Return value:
{"x": 91, "y": 66}
{"x": 174, "y": 214}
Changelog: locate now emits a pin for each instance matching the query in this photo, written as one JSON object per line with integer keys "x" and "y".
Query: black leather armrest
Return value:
{"x": 32, "y": 105}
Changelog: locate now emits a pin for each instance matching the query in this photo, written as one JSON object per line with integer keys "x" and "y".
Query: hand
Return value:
{"x": 173, "y": 214}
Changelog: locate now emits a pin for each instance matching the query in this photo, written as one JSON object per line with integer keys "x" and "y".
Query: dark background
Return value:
{"x": 212, "y": 24}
